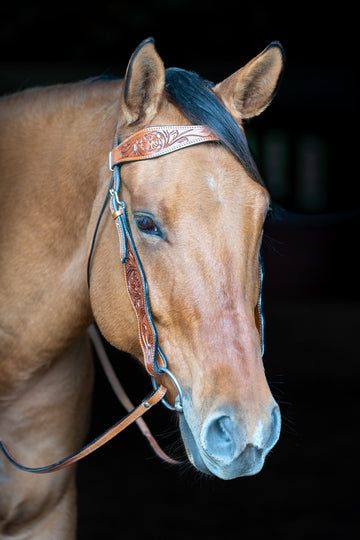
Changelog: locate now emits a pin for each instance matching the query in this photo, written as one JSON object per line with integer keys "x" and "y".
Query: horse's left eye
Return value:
{"x": 146, "y": 224}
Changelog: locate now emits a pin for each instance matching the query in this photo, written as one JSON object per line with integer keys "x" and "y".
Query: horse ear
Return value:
{"x": 251, "y": 89}
{"x": 144, "y": 83}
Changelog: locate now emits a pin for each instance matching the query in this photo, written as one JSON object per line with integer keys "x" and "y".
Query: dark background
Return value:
{"x": 306, "y": 145}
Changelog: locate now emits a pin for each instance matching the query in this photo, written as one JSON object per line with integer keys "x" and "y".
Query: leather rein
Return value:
{"x": 148, "y": 143}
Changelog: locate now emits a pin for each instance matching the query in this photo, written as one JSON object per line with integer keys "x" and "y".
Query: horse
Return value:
{"x": 196, "y": 216}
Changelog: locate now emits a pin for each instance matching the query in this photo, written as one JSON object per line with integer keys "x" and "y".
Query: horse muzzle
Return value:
{"x": 224, "y": 446}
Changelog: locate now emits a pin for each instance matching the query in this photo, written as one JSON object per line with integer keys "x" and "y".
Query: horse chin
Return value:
{"x": 249, "y": 463}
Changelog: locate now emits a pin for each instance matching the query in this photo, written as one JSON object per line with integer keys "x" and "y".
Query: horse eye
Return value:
{"x": 145, "y": 224}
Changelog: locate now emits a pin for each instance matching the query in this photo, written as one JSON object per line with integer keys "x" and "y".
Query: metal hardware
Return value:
{"x": 110, "y": 162}
{"x": 115, "y": 194}
{"x": 178, "y": 407}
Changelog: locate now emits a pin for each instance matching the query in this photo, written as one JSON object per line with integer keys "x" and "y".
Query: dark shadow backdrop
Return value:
{"x": 305, "y": 145}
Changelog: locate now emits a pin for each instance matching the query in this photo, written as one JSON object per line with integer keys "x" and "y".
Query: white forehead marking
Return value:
{"x": 212, "y": 182}
{"x": 215, "y": 187}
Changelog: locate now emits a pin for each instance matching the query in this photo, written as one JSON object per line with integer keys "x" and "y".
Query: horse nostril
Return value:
{"x": 267, "y": 433}
{"x": 218, "y": 439}
{"x": 220, "y": 430}
{"x": 225, "y": 441}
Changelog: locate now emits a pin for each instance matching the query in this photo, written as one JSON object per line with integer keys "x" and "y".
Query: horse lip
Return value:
{"x": 192, "y": 449}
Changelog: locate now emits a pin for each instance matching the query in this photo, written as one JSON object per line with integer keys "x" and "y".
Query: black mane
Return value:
{"x": 196, "y": 99}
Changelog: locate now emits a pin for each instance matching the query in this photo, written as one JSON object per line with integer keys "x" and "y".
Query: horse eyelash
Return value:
{"x": 159, "y": 231}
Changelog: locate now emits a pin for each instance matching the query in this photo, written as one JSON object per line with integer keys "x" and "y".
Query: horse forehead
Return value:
{"x": 205, "y": 176}
{"x": 221, "y": 184}
{"x": 235, "y": 188}
{"x": 211, "y": 169}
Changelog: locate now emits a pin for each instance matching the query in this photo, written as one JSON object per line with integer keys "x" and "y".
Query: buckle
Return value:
{"x": 110, "y": 162}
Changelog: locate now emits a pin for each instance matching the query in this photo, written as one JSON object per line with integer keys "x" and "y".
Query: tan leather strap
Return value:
{"x": 122, "y": 396}
{"x": 144, "y": 406}
{"x": 157, "y": 141}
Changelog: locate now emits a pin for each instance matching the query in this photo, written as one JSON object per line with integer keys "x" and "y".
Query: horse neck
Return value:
{"x": 54, "y": 146}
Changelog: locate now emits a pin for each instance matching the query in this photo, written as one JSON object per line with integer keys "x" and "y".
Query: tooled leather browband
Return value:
{"x": 155, "y": 141}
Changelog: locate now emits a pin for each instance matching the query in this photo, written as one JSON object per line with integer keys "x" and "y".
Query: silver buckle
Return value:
{"x": 110, "y": 162}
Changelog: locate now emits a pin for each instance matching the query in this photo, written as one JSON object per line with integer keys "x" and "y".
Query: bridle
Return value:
{"x": 148, "y": 143}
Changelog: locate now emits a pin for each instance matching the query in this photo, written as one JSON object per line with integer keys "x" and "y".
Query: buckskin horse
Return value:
{"x": 186, "y": 220}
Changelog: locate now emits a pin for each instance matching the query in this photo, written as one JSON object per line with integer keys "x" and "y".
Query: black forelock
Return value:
{"x": 196, "y": 99}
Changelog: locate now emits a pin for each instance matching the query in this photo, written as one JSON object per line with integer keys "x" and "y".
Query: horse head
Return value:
{"x": 197, "y": 218}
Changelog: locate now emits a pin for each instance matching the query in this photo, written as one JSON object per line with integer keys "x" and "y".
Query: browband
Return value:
{"x": 155, "y": 141}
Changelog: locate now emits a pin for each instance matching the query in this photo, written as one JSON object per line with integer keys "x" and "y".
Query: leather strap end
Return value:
{"x": 155, "y": 397}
